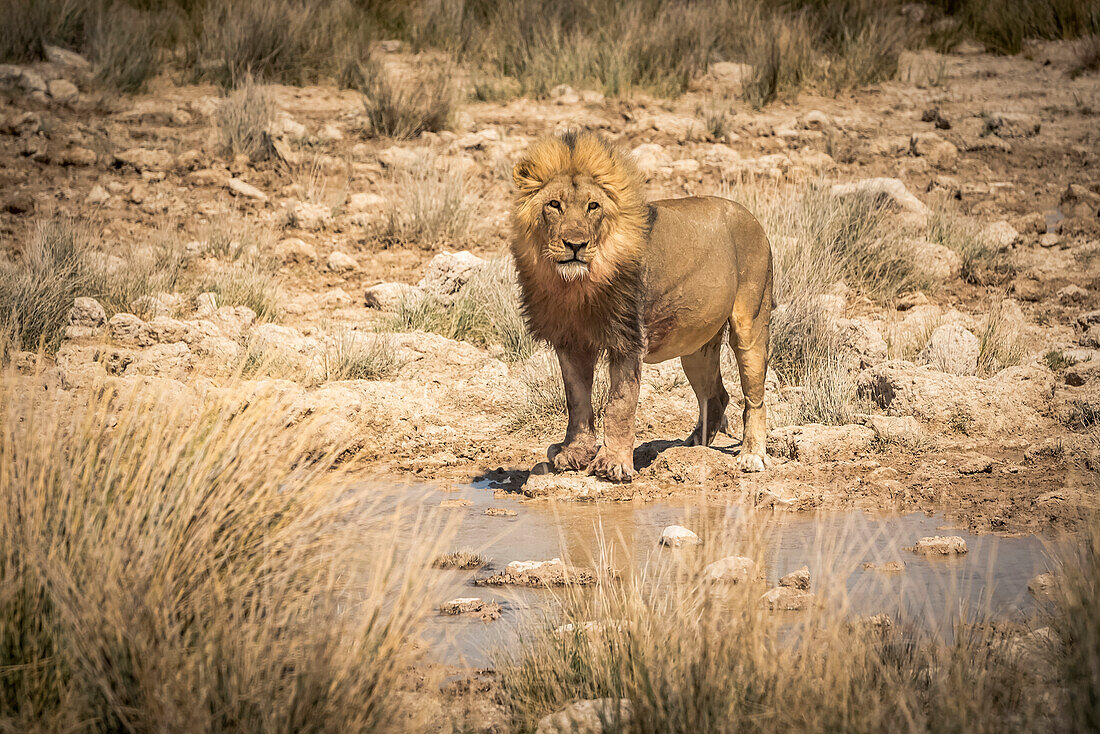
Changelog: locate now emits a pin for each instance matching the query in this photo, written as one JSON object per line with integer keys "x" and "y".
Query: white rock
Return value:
{"x": 388, "y": 296}
{"x": 240, "y": 188}
{"x": 786, "y": 599}
{"x": 951, "y": 348}
{"x": 799, "y": 579}
{"x": 890, "y": 188}
{"x": 448, "y": 272}
{"x": 516, "y": 568}
{"x": 365, "y": 201}
{"x": 63, "y": 91}
{"x": 677, "y": 535}
{"x": 339, "y": 262}
{"x": 862, "y": 341}
{"x": 649, "y": 157}
{"x": 901, "y": 430}
{"x": 87, "y": 312}
{"x": 98, "y": 195}
{"x": 125, "y": 328}
{"x": 735, "y": 569}
{"x": 590, "y": 716}
{"x": 1000, "y": 235}
{"x": 939, "y": 545}
{"x": 330, "y": 134}
{"x": 64, "y": 57}
{"x": 293, "y": 249}
{"x": 937, "y": 262}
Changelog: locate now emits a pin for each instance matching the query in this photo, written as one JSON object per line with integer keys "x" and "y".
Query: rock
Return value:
{"x": 1000, "y": 235}
{"x": 487, "y": 611}
{"x": 1072, "y": 294}
{"x": 1012, "y": 125}
{"x": 862, "y": 342}
{"x": 976, "y": 464}
{"x": 590, "y": 716}
{"x": 813, "y": 442}
{"x": 786, "y": 599}
{"x": 649, "y": 158}
{"x": 330, "y": 134}
{"x": 1088, "y": 318}
{"x": 240, "y": 188}
{"x": 16, "y": 202}
{"x": 564, "y": 94}
{"x": 362, "y": 202}
{"x": 539, "y": 573}
{"x": 207, "y": 177}
{"x": 339, "y": 262}
{"x": 1083, "y": 372}
{"x": 937, "y": 262}
{"x": 388, "y": 296}
{"x": 1044, "y": 586}
{"x": 887, "y": 567}
{"x": 448, "y": 272}
{"x": 77, "y": 156}
{"x": 951, "y": 348}
{"x": 799, "y": 579}
{"x": 307, "y": 215}
{"x": 939, "y": 152}
{"x": 455, "y": 503}
{"x": 206, "y": 302}
{"x": 499, "y": 512}
{"x": 87, "y": 312}
{"x": 903, "y": 431}
{"x": 125, "y": 328}
{"x": 677, "y": 535}
{"x": 933, "y": 115}
{"x": 1014, "y": 397}
{"x": 1050, "y": 239}
{"x": 98, "y": 195}
{"x": 63, "y": 91}
{"x": 816, "y": 120}
{"x": 64, "y": 57}
{"x": 732, "y": 74}
{"x": 890, "y": 189}
{"x": 566, "y": 486}
{"x": 295, "y": 250}
{"x": 734, "y": 569}
{"x": 335, "y": 298}
{"x": 1079, "y": 201}
{"x": 173, "y": 361}
{"x": 940, "y": 545}
{"x": 146, "y": 159}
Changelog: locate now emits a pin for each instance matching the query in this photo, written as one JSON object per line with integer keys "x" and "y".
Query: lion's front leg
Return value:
{"x": 615, "y": 460}
{"x": 576, "y": 452}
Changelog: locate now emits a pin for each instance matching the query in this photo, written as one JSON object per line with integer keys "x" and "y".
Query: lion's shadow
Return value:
{"x": 513, "y": 480}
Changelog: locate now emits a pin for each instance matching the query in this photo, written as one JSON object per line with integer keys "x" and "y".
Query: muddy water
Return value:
{"x": 990, "y": 579}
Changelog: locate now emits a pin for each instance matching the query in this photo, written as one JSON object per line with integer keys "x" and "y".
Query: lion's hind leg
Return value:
{"x": 704, "y": 372}
{"x": 749, "y": 333}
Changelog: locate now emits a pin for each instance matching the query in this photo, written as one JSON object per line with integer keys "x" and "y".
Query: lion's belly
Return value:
{"x": 685, "y": 330}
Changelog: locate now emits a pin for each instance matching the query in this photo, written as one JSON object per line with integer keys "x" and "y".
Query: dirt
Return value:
{"x": 445, "y": 416}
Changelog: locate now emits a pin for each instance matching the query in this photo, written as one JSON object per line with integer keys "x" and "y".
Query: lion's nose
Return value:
{"x": 576, "y": 247}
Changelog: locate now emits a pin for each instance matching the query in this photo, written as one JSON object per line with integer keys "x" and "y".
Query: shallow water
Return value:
{"x": 990, "y": 579}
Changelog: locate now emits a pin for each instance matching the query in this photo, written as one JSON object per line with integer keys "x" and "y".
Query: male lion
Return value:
{"x": 603, "y": 272}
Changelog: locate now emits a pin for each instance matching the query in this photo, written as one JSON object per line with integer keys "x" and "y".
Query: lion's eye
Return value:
{"x": 593, "y": 206}
{"x": 554, "y": 204}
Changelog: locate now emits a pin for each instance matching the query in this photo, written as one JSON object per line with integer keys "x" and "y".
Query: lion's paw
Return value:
{"x": 574, "y": 457}
{"x": 748, "y": 462}
{"x": 614, "y": 466}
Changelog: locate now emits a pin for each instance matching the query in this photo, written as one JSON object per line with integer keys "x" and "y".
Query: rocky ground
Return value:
{"x": 1013, "y": 140}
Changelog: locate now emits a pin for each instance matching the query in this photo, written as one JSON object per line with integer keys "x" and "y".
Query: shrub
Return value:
{"x": 430, "y": 206}
{"x": 244, "y": 119}
{"x": 124, "y": 46}
{"x": 486, "y": 311}
{"x": 121, "y": 286}
{"x": 405, "y": 108}
{"x": 982, "y": 264}
{"x": 240, "y": 616}
{"x": 37, "y": 291}
{"x": 246, "y": 285}
{"x": 354, "y": 356}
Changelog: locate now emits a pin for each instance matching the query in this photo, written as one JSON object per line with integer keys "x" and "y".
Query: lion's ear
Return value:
{"x": 521, "y": 176}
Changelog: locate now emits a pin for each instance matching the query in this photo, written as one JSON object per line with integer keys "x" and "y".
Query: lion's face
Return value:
{"x": 572, "y": 214}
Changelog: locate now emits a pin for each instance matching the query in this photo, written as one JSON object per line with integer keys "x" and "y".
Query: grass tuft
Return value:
{"x": 356, "y": 356}
{"x": 404, "y": 108}
{"x": 244, "y": 119}
{"x": 246, "y": 285}
{"x": 430, "y": 207}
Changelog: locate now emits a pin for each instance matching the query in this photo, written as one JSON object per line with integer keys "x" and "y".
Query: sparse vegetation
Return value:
{"x": 432, "y": 208}
{"x": 240, "y": 616}
{"x": 1088, "y": 55}
{"x": 1057, "y": 361}
{"x": 37, "y": 291}
{"x": 542, "y": 405}
{"x": 244, "y": 119}
{"x": 999, "y": 341}
{"x": 982, "y": 264}
{"x": 404, "y": 108}
{"x": 463, "y": 560}
{"x": 486, "y": 311}
{"x": 357, "y": 356}
{"x": 127, "y": 285}
{"x": 251, "y": 285}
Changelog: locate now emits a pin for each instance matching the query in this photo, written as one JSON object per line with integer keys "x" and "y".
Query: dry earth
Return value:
{"x": 1014, "y": 451}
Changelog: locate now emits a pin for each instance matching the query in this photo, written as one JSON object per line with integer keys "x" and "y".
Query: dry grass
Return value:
{"x": 1088, "y": 55}
{"x": 251, "y": 285}
{"x": 143, "y": 273}
{"x": 430, "y": 206}
{"x": 356, "y": 356}
{"x": 463, "y": 559}
{"x": 982, "y": 264}
{"x": 542, "y": 408}
{"x": 404, "y": 108}
{"x": 124, "y": 45}
{"x": 197, "y": 567}
{"x": 999, "y": 341}
{"x": 486, "y": 312}
{"x": 244, "y": 119}
{"x": 37, "y": 291}
{"x": 692, "y": 656}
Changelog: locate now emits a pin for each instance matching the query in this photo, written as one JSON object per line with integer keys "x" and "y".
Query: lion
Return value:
{"x": 603, "y": 272}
